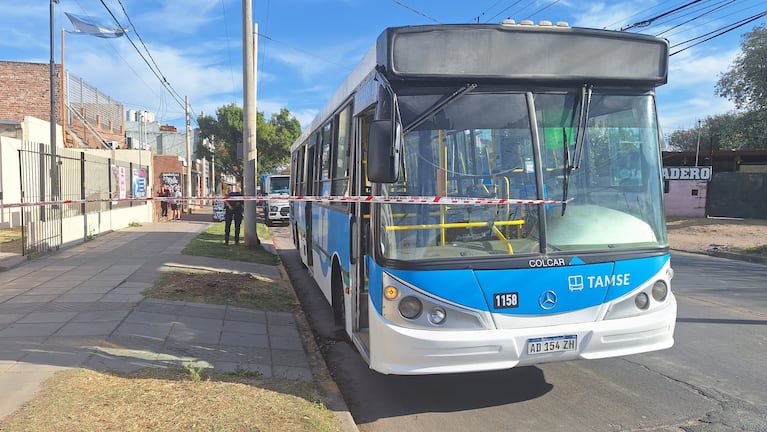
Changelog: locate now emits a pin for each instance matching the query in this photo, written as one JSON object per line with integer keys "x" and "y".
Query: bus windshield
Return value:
{"x": 481, "y": 144}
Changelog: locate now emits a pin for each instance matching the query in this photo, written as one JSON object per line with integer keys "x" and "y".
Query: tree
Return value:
{"x": 745, "y": 83}
{"x": 273, "y": 139}
{"x": 225, "y": 133}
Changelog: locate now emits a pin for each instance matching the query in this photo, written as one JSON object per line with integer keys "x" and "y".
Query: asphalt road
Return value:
{"x": 713, "y": 380}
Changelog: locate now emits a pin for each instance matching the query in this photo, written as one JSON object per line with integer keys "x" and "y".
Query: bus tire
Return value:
{"x": 337, "y": 296}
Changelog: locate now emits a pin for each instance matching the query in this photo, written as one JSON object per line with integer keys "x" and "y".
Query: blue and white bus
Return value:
{"x": 555, "y": 247}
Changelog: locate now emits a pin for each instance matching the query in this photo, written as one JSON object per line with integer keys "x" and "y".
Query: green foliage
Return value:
{"x": 245, "y": 373}
{"x": 273, "y": 139}
{"x": 225, "y": 133}
{"x": 211, "y": 243}
{"x": 757, "y": 250}
{"x": 731, "y": 131}
{"x": 745, "y": 84}
{"x": 194, "y": 373}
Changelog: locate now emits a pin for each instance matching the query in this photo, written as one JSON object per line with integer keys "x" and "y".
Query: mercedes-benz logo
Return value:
{"x": 548, "y": 300}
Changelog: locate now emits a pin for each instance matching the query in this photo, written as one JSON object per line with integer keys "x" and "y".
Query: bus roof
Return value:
{"x": 515, "y": 53}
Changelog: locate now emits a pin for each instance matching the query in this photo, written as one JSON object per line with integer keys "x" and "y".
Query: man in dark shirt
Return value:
{"x": 234, "y": 209}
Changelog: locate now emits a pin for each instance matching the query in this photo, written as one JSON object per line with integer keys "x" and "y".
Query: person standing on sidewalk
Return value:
{"x": 175, "y": 203}
{"x": 164, "y": 194}
{"x": 233, "y": 212}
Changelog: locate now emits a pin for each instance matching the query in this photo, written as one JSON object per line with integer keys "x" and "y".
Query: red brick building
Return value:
{"x": 25, "y": 91}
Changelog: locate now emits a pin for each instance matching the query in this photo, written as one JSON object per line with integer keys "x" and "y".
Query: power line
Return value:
{"x": 262, "y": 49}
{"x": 714, "y": 19}
{"x": 722, "y": 5}
{"x": 543, "y": 8}
{"x": 416, "y": 11}
{"x": 731, "y": 28}
{"x": 503, "y": 10}
{"x": 649, "y": 21}
{"x": 478, "y": 17}
{"x": 157, "y": 72}
{"x": 228, "y": 46}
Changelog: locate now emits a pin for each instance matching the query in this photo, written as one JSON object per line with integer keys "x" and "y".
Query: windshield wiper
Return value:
{"x": 565, "y": 170}
{"x": 573, "y": 164}
{"x": 439, "y": 105}
{"x": 581, "y": 126}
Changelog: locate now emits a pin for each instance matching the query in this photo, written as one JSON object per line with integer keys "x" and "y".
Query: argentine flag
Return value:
{"x": 92, "y": 26}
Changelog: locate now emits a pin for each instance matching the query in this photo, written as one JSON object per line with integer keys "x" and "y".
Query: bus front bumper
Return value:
{"x": 406, "y": 351}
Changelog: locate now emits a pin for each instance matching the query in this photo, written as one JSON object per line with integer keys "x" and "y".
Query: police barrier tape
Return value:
{"x": 363, "y": 199}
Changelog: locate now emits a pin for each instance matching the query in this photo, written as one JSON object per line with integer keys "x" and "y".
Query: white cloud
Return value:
{"x": 690, "y": 95}
{"x": 690, "y": 68}
{"x": 181, "y": 16}
{"x": 610, "y": 16}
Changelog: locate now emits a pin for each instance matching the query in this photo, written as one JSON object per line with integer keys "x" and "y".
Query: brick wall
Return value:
{"x": 164, "y": 164}
{"x": 25, "y": 91}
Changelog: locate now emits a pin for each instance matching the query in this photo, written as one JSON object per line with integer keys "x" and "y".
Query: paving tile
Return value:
{"x": 263, "y": 370}
{"x": 245, "y": 340}
{"x": 96, "y": 316}
{"x": 286, "y": 343}
{"x": 183, "y": 334}
{"x": 78, "y": 298}
{"x": 245, "y": 315}
{"x": 245, "y": 327}
{"x": 99, "y": 328}
{"x": 24, "y": 298}
{"x": 150, "y": 331}
{"x": 48, "y": 317}
{"x": 30, "y": 330}
{"x": 293, "y": 373}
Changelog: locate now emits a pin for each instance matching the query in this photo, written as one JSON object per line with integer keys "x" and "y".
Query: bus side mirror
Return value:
{"x": 383, "y": 151}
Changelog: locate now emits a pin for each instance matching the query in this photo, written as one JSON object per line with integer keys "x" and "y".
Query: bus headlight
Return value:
{"x": 437, "y": 315}
{"x": 407, "y": 306}
{"x": 645, "y": 300}
{"x": 642, "y": 301}
{"x": 410, "y": 307}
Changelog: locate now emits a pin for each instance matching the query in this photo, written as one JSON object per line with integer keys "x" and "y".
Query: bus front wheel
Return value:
{"x": 337, "y": 296}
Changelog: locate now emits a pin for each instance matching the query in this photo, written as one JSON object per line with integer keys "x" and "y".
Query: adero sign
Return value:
{"x": 687, "y": 173}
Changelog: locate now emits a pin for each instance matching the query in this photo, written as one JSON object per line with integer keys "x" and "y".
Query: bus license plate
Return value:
{"x": 552, "y": 344}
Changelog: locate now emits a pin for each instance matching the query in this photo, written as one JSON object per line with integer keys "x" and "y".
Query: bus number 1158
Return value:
{"x": 505, "y": 300}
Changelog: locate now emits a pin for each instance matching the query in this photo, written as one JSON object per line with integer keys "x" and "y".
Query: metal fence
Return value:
{"x": 96, "y": 107}
{"x": 55, "y": 175}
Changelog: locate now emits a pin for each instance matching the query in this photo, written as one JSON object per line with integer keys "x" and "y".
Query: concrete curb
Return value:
{"x": 319, "y": 368}
{"x": 757, "y": 259}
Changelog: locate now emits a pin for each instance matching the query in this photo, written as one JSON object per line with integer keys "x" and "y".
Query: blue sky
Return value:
{"x": 308, "y": 47}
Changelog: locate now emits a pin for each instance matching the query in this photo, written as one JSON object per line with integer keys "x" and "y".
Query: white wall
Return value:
{"x": 10, "y": 187}
{"x": 10, "y": 182}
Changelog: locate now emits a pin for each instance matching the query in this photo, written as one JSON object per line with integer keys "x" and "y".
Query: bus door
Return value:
{"x": 310, "y": 191}
{"x": 359, "y": 232}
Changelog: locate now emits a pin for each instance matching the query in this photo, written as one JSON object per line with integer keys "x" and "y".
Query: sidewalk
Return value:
{"x": 82, "y": 307}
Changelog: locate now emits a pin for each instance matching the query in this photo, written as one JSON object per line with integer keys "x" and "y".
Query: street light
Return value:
{"x": 211, "y": 146}
{"x": 697, "y": 148}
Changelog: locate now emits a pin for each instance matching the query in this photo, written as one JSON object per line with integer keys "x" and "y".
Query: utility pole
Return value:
{"x": 249, "y": 153}
{"x": 188, "y": 157}
{"x": 54, "y": 168}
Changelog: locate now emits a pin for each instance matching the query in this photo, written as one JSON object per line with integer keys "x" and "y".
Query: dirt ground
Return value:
{"x": 722, "y": 234}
